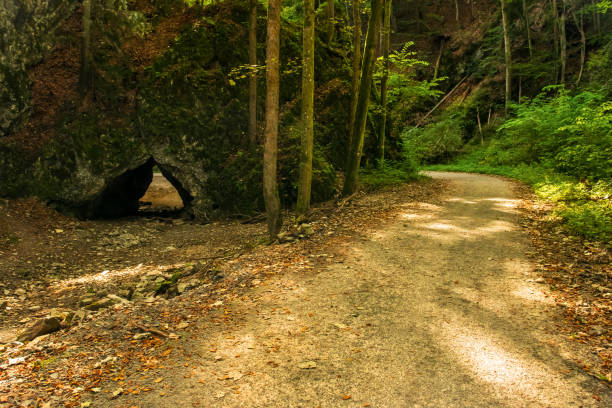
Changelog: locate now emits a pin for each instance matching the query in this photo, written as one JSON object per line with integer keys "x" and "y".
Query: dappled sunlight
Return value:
{"x": 514, "y": 373}
{"x": 425, "y": 206}
{"x": 111, "y": 275}
{"x": 237, "y": 344}
{"x": 492, "y": 227}
{"x": 7, "y": 334}
{"x": 524, "y": 289}
{"x": 480, "y": 298}
{"x": 496, "y": 226}
{"x": 532, "y": 294}
{"x": 461, "y": 200}
{"x": 441, "y": 226}
{"x": 414, "y": 216}
{"x": 505, "y": 205}
{"x": 504, "y": 202}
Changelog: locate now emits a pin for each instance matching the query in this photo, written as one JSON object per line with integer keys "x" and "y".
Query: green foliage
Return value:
{"x": 113, "y": 23}
{"x": 571, "y": 134}
{"x": 599, "y": 69}
{"x": 438, "y": 141}
{"x": 585, "y": 208}
{"x": 391, "y": 172}
{"x": 195, "y": 99}
{"x": 406, "y": 94}
{"x": 323, "y": 173}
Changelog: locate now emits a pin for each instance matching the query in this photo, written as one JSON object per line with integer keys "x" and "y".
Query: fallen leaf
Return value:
{"x": 307, "y": 365}
{"x": 158, "y": 380}
{"x": 117, "y": 392}
{"x": 346, "y": 397}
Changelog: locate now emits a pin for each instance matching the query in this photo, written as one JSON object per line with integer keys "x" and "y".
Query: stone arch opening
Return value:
{"x": 147, "y": 189}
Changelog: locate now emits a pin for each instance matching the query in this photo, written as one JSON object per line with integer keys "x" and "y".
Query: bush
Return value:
{"x": 391, "y": 172}
{"x": 435, "y": 142}
{"x": 570, "y": 134}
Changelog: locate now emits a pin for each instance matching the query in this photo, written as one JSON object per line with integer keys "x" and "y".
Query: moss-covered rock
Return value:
{"x": 26, "y": 32}
{"x": 190, "y": 119}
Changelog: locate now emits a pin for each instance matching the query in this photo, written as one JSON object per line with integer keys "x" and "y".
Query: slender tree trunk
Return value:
{"x": 270, "y": 151}
{"x": 86, "y": 72}
{"x": 580, "y": 25}
{"x": 437, "y": 66}
{"x": 303, "y": 200}
{"x": 253, "y": 76}
{"x": 363, "y": 101}
{"x": 555, "y": 13}
{"x": 479, "y": 125}
{"x": 331, "y": 15}
{"x": 386, "y": 43}
{"x": 528, "y": 29}
{"x": 356, "y": 64}
{"x": 507, "y": 53}
{"x": 598, "y": 23}
{"x": 457, "y": 10}
{"x": 520, "y": 89}
{"x": 563, "y": 41}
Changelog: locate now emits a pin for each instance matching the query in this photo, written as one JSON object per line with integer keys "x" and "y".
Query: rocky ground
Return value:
{"x": 131, "y": 297}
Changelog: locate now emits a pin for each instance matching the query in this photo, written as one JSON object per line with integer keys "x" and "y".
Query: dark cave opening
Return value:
{"x": 149, "y": 189}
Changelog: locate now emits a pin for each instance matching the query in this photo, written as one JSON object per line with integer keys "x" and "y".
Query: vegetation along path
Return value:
{"x": 436, "y": 308}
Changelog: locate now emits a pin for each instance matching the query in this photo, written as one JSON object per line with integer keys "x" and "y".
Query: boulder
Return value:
{"x": 104, "y": 303}
{"x": 40, "y": 327}
{"x": 26, "y": 31}
{"x": 188, "y": 122}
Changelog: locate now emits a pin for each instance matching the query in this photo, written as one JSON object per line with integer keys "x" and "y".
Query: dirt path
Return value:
{"x": 437, "y": 308}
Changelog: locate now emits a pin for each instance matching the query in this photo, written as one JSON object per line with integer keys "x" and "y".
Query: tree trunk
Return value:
{"x": 363, "y": 100}
{"x": 331, "y": 15}
{"x": 580, "y": 25}
{"x": 563, "y": 41}
{"x": 507, "y": 53}
{"x": 86, "y": 72}
{"x": 457, "y": 10}
{"x": 356, "y": 64}
{"x": 437, "y": 66}
{"x": 527, "y": 29}
{"x": 598, "y": 22}
{"x": 386, "y": 43}
{"x": 303, "y": 199}
{"x": 270, "y": 151}
{"x": 555, "y": 13}
{"x": 479, "y": 125}
{"x": 253, "y": 76}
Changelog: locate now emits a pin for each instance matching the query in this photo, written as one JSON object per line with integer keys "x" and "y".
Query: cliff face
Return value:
{"x": 185, "y": 112}
{"x": 26, "y": 32}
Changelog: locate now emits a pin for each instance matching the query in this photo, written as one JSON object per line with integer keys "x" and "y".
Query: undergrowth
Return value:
{"x": 389, "y": 173}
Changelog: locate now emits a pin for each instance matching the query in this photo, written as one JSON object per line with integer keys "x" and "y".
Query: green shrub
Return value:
{"x": 391, "y": 172}
{"x": 435, "y": 142}
{"x": 570, "y": 134}
{"x": 591, "y": 219}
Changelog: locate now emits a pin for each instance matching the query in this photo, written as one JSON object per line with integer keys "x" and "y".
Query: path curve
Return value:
{"x": 438, "y": 308}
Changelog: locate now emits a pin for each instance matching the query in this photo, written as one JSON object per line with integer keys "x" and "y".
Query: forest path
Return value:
{"x": 437, "y": 308}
